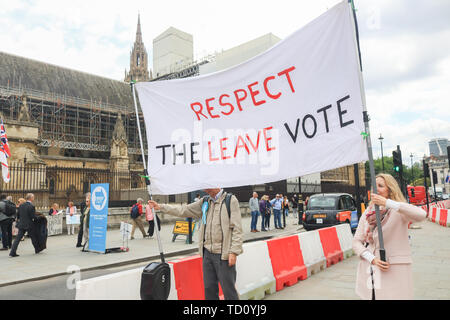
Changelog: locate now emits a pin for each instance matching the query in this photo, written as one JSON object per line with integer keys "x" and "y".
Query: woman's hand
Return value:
{"x": 378, "y": 200}
{"x": 384, "y": 266}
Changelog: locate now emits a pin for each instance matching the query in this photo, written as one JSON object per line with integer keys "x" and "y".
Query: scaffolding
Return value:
{"x": 69, "y": 122}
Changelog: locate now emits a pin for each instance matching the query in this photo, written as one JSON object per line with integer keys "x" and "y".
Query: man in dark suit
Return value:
{"x": 25, "y": 220}
{"x": 85, "y": 205}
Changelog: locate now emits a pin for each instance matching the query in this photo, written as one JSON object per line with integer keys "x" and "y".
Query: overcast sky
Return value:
{"x": 405, "y": 47}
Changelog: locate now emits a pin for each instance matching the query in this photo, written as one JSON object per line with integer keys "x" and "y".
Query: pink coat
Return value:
{"x": 396, "y": 283}
{"x": 148, "y": 213}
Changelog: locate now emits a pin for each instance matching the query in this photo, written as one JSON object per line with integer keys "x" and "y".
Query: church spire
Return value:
{"x": 138, "y": 58}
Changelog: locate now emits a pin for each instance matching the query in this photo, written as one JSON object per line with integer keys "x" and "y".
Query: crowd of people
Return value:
{"x": 276, "y": 207}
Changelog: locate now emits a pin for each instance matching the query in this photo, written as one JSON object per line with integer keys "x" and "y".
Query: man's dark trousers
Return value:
{"x": 217, "y": 271}
{"x": 19, "y": 236}
{"x": 6, "y": 226}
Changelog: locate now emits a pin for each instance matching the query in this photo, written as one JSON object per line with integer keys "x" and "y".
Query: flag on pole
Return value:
{"x": 5, "y": 153}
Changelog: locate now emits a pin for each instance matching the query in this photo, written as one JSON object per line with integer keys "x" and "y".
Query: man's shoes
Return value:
{"x": 256, "y": 230}
{"x": 13, "y": 255}
{"x": 78, "y": 245}
{"x": 253, "y": 231}
{"x": 132, "y": 238}
{"x": 3, "y": 249}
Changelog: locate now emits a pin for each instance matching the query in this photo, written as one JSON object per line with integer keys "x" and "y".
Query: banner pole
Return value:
{"x": 147, "y": 179}
{"x": 367, "y": 136}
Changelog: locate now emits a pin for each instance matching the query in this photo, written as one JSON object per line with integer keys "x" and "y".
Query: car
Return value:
{"x": 329, "y": 209}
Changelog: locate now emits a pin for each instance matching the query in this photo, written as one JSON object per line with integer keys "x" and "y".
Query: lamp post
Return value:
{"x": 412, "y": 169}
{"x": 382, "y": 158}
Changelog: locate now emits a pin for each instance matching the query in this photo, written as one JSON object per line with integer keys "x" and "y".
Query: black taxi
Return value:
{"x": 329, "y": 209}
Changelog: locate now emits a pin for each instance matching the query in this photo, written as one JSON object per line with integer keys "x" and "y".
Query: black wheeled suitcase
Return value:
{"x": 155, "y": 281}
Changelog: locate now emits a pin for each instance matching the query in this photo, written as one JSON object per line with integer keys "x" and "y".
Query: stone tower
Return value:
{"x": 138, "y": 59}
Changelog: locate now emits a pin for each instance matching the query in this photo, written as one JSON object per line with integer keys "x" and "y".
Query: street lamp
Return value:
{"x": 382, "y": 159}
{"x": 412, "y": 169}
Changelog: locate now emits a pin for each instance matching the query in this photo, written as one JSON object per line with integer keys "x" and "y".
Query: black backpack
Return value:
{"x": 227, "y": 202}
{"x": 10, "y": 208}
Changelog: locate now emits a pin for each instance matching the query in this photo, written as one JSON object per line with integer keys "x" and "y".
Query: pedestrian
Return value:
{"x": 253, "y": 204}
{"x": 71, "y": 211}
{"x": 286, "y": 206}
{"x": 15, "y": 230}
{"x": 276, "y": 204}
{"x": 220, "y": 239}
{"x": 7, "y": 216}
{"x": 392, "y": 279}
{"x": 301, "y": 208}
{"x": 54, "y": 210}
{"x": 294, "y": 200}
{"x": 263, "y": 212}
{"x": 151, "y": 220}
{"x": 268, "y": 212}
{"x": 83, "y": 231}
{"x": 306, "y": 201}
{"x": 136, "y": 213}
{"x": 197, "y": 197}
{"x": 25, "y": 219}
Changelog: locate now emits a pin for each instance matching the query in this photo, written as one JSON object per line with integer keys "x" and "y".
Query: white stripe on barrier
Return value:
{"x": 124, "y": 285}
{"x": 345, "y": 237}
{"x": 254, "y": 272}
{"x": 312, "y": 252}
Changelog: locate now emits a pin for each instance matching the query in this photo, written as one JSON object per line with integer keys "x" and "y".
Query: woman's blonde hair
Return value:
{"x": 394, "y": 190}
{"x": 21, "y": 200}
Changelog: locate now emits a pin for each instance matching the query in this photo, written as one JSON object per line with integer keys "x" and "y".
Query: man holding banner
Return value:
{"x": 220, "y": 240}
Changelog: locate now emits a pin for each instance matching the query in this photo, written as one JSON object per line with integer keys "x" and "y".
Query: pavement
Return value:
{"x": 430, "y": 247}
{"x": 61, "y": 255}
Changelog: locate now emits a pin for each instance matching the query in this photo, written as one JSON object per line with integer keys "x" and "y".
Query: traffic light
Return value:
{"x": 426, "y": 170}
{"x": 397, "y": 158}
{"x": 435, "y": 179}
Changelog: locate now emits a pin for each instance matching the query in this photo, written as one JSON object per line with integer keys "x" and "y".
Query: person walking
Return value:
{"x": 268, "y": 212}
{"x": 71, "y": 211}
{"x": 136, "y": 213}
{"x": 263, "y": 212}
{"x": 393, "y": 279}
{"x": 294, "y": 200}
{"x": 286, "y": 206}
{"x": 253, "y": 204}
{"x": 7, "y": 216}
{"x": 151, "y": 220}
{"x": 301, "y": 208}
{"x": 276, "y": 204}
{"x": 220, "y": 239}
{"x": 25, "y": 219}
{"x": 84, "y": 220}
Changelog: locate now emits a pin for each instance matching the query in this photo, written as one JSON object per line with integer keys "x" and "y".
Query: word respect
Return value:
{"x": 229, "y": 103}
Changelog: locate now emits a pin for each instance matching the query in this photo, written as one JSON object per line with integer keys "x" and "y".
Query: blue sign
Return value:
{"x": 354, "y": 222}
{"x": 98, "y": 217}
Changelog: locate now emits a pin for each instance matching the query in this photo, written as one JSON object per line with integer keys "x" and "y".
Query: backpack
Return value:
{"x": 227, "y": 202}
{"x": 134, "y": 213}
{"x": 10, "y": 208}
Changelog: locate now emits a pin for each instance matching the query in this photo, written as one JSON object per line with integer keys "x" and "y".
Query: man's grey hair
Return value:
{"x": 29, "y": 196}
{"x": 139, "y": 199}
{"x": 9, "y": 198}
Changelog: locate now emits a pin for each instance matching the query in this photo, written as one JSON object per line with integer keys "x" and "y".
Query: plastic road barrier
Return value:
{"x": 345, "y": 237}
{"x": 254, "y": 272}
{"x": 443, "y": 217}
{"x": 188, "y": 276}
{"x": 287, "y": 261}
{"x": 312, "y": 252}
{"x": 331, "y": 246}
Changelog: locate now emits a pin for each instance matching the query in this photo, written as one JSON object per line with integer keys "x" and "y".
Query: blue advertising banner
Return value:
{"x": 98, "y": 217}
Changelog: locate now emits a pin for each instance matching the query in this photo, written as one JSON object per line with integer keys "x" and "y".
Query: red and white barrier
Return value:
{"x": 440, "y": 216}
{"x": 265, "y": 266}
{"x": 254, "y": 272}
{"x": 345, "y": 237}
{"x": 312, "y": 252}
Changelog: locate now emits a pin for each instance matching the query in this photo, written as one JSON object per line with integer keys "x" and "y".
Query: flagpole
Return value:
{"x": 147, "y": 179}
{"x": 368, "y": 137}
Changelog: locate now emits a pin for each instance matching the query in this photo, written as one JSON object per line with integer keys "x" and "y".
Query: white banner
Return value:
{"x": 293, "y": 110}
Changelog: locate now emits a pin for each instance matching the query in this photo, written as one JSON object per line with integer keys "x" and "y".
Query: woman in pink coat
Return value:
{"x": 392, "y": 279}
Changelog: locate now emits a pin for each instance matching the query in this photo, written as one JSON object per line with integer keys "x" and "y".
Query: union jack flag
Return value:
{"x": 5, "y": 153}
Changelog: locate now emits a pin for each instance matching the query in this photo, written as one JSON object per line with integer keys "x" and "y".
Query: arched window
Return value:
{"x": 51, "y": 186}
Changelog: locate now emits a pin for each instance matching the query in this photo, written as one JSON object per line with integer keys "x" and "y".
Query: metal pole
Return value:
{"x": 382, "y": 157}
{"x": 425, "y": 184}
{"x": 147, "y": 180}
{"x": 368, "y": 137}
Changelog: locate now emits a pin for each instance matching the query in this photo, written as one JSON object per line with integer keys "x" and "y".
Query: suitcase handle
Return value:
{"x": 147, "y": 180}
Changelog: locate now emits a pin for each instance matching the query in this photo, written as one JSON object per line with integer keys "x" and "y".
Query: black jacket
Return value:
{"x": 26, "y": 216}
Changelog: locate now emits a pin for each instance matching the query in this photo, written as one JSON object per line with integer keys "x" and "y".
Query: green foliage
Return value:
{"x": 411, "y": 177}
